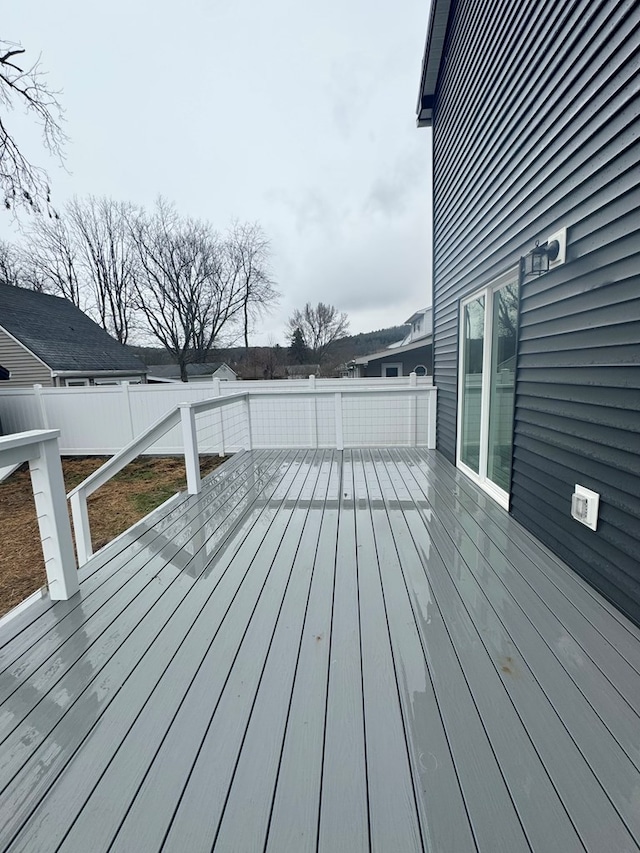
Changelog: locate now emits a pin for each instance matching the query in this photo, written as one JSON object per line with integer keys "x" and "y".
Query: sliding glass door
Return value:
{"x": 488, "y": 329}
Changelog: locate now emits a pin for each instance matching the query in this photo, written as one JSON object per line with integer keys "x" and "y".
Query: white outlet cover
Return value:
{"x": 593, "y": 505}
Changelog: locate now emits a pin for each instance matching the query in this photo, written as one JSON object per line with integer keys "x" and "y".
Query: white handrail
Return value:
{"x": 183, "y": 413}
{"x": 128, "y": 453}
{"x": 40, "y": 449}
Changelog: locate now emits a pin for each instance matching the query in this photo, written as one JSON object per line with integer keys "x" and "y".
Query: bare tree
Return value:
{"x": 106, "y": 258}
{"x": 319, "y": 326}
{"x": 180, "y": 288}
{"x": 25, "y": 87}
{"x": 246, "y": 262}
{"x": 50, "y": 260}
{"x": 10, "y": 266}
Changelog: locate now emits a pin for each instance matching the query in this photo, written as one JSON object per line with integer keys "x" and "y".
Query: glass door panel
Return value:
{"x": 473, "y": 355}
{"x": 502, "y": 384}
{"x": 486, "y": 385}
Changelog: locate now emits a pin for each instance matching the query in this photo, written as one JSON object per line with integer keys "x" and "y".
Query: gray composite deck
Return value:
{"x": 323, "y": 651}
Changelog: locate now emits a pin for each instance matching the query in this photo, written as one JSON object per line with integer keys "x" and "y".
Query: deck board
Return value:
{"x": 584, "y": 663}
{"x": 295, "y": 807}
{"x": 539, "y": 758}
{"x": 344, "y": 809}
{"x": 107, "y": 571}
{"x": 324, "y": 651}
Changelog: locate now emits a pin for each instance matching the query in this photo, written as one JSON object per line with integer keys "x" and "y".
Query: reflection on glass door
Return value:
{"x": 473, "y": 346}
{"x": 488, "y": 331}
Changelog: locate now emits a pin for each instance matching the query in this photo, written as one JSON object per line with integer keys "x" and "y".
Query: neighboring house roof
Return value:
{"x": 434, "y": 48}
{"x": 60, "y": 335}
{"x": 413, "y": 340}
{"x": 172, "y": 371}
{"x": 394, "y": 351}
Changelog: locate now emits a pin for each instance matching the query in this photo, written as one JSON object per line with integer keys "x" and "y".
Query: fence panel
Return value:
{"x": 101, "y": 420}
{"x": 19, "y": 411}
{"x": 95, "y": 424}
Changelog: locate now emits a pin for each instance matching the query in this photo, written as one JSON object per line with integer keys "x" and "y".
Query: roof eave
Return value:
{"x": 434, "y": 49}
{"x": 78, "y": 371}
{"x": 392, "y": 353}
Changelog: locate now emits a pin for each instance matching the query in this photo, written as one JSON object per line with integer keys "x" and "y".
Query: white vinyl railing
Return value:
{"x": 100, "y": 420}
{"x": 308, "y": 417}
{"x": 40, "y": 449}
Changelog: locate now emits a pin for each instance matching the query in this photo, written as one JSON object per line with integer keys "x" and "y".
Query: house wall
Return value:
{"x": 25, "y": 368}
{"x": 536, "y": 127}
{"x": 409, "y": 361}
{"x": 225, "y": 373}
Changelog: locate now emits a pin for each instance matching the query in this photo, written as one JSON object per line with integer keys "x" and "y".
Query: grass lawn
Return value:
{"x": 129, "y": 496}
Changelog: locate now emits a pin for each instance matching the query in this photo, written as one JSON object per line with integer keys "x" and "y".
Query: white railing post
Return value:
{"x": 413, "y": 411}
{"x": 432, "y": 400}
{"x": 216, "y": 387}
{"x": 53, "y": 520}
{"x": 190, "y": 443}
{"x": 222, "y": 448}
{"x": 339, "y": 425}
{"x": 81, "y": 527}
{"x": 247, "y": 403}
{"x": 313, "y": 414}
{"x": 41, "y": 406}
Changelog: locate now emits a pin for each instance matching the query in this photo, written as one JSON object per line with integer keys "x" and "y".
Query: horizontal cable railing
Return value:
{"x": 308, "y": 417}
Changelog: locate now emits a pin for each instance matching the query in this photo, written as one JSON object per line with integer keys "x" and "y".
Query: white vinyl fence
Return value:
{"x": 294, "y": 413}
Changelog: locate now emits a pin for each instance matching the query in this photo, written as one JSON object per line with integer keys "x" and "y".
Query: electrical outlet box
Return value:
{"x": 584, "y": 506}
{"x": 560, "y": 237}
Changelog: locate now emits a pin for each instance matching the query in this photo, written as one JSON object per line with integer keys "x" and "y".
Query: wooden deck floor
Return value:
{"x": 323, "y": 651}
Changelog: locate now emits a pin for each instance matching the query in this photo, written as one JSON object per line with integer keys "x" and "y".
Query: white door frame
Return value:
{"x": 481, "y": 478}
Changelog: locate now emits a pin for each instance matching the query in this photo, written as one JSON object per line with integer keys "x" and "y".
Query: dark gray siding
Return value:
{"x": 536, "y": 127}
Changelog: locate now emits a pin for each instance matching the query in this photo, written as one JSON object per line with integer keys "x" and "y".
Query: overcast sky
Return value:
{"x": 300, "y": 115}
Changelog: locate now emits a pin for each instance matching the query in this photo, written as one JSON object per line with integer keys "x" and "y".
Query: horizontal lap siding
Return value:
{"x": 536, "y": 127}
{"x": 25, "y": 368}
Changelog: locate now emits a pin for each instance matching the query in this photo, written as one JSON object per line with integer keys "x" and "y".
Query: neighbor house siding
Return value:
{"x": 25, "y": 368}
{"x": 408, "y": 360}
{"x": 536, "y": 127}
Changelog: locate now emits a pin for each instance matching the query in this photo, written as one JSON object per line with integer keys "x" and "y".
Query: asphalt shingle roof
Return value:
{"x": 60, "y": 334}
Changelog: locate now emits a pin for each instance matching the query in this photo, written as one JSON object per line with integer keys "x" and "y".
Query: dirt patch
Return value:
{"x": 129, "y": 496}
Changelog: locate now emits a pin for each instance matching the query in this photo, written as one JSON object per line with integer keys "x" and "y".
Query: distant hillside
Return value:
{"x": 356, "y": 345}
{"x": 343, "y": 350}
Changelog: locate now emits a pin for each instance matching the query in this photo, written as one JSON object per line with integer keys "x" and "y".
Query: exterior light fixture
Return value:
{"x": 536, "y": 262}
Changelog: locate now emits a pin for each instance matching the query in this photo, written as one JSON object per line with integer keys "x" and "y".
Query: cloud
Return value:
{"x": 392, "y": 192}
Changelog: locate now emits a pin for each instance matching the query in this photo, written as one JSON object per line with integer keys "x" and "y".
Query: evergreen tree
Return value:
{"x": 298, "y": 349}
